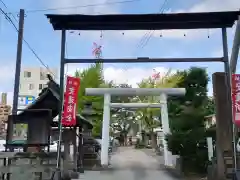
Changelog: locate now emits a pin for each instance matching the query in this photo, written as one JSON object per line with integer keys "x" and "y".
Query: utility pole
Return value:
{"x": 18, "y": 62}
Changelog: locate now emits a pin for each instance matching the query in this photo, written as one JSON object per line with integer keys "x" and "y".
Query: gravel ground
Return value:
{"x": 130, "y": 164}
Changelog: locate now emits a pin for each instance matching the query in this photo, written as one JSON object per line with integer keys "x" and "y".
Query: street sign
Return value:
{"x": 30, "y": 99}
{"x": 25, "y": 100}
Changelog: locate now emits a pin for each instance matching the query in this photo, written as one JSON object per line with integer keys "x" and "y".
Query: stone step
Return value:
{"x": 91, "y": 163}
{"x": 229, "y": 167}
{"x": 90, "y": 156}
{"x": 229, "y": 176}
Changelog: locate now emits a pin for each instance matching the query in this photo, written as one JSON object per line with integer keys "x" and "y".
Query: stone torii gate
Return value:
{"x": 108, "y": 92}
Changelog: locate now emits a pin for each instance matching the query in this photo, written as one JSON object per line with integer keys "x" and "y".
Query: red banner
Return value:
{"x": 236, "y": 98}
{"x": 70, "y": 101}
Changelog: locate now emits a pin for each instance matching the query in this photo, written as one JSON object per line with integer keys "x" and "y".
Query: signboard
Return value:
{"x": 70, "y": 101}
{"x": 30, "y": 99}
{"x": 19, "y": 133}
{"x": 25, "y": 100}
{"x": 236, "y": 98}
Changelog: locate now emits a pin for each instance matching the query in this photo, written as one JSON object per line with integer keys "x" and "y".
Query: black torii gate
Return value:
{"x": 204, "y": 20}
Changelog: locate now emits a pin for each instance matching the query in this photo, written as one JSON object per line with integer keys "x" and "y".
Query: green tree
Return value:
{"x": 188, "y": 134}
{"x": 150, "y": 117}
{"x": 123, "y": 120}
{"x": 209, "y": 106}
{"x": 92, "y": 78}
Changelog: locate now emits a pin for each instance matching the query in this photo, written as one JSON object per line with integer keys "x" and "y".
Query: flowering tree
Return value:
{"x": 150, "y": 117}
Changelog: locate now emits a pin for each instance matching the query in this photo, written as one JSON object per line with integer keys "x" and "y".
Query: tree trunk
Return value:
{"x": 153, "y": 140}
{"x": 125, "y": 140}
{"x": 146, "y": 140}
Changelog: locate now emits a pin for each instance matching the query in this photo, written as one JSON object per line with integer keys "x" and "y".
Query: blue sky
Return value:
{"x": 46, "y": 42}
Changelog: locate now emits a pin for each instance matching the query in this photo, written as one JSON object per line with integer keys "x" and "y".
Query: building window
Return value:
{"x": 31, "y": 86}
{"x": 40, "y": 87}
{"x": 43, "y": 76}
{"x": 27, "y": 74}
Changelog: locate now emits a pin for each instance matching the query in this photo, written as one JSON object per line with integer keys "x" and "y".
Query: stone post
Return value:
{"x": 224, "y": 126}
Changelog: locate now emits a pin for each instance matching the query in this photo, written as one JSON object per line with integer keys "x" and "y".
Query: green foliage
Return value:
{"x": 120, "y": 99}
{"x": 186, "y": 113}
{"x": 123, "y": 119}
{"x": 149, "y": 115}
{"x": 209, "y": 106}
{"x": 97, "y": 128}
{"x": 92, "y": 78}
{"x": 195, "y": 81}
{"x": 188, "y": 134}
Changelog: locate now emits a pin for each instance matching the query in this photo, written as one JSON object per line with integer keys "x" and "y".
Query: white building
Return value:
{"x": 210, "y": 120}
{"x": 32, "y": 81}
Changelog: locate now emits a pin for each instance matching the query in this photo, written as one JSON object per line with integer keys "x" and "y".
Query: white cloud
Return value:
{"x": 118, "y": 75}
{"x": 92, "y": 7}
{"x": 215, "y": 5}
{"x": 131, "y": 76}
{"x": 203, "y": 6}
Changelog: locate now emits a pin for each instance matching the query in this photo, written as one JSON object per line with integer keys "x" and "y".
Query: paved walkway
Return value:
{"x": 130, "y": 164}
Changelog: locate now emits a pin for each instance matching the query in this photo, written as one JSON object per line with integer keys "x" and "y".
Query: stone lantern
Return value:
{"x": 88, "y": 113}
{"x": 87, "y": 142}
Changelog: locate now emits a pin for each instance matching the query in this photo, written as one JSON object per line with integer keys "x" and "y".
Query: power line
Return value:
{"x": 81, "y": 6}
{"x": 141, "y": 41}
{"x": 4, "y": 4}
{"x": 28, "y": 45}
{"x": 147, "y": 36}
{"x": 9, "y": 13}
